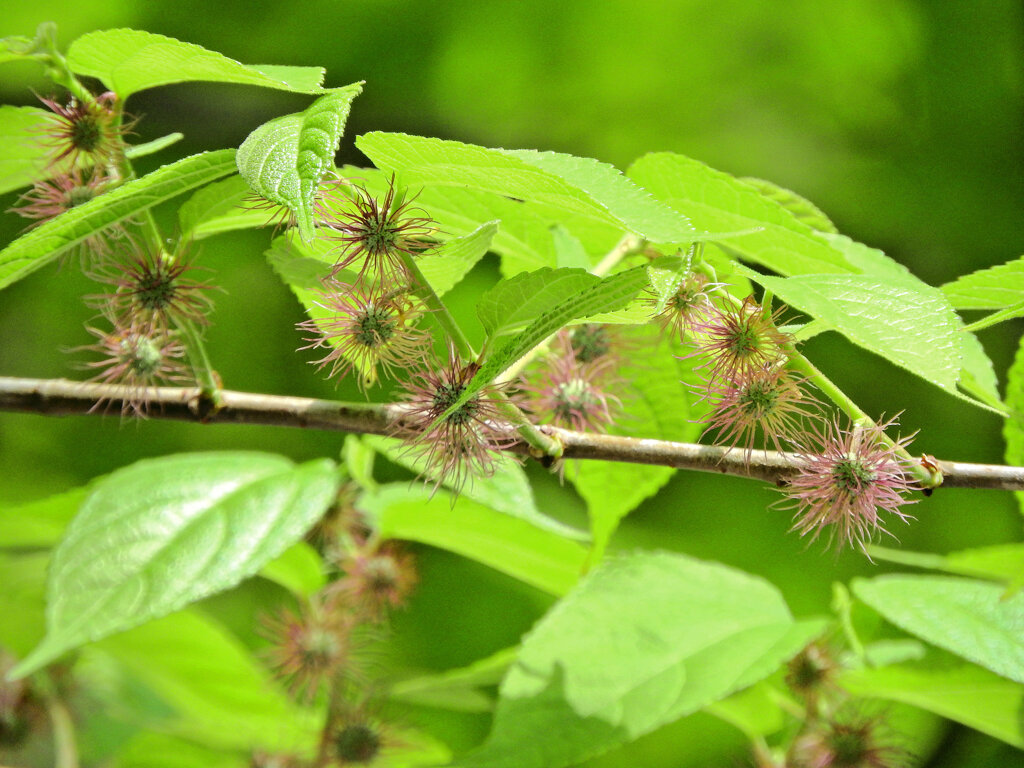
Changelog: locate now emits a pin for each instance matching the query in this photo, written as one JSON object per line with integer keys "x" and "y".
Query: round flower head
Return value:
{"x": 81, "y": 129}
{"x": 140, "y": 360}
{"x": 364, "y": 329}
{"x": 769, "y": 401}
{"x": 150, "y": 290}
{"x": 376, "y": 231}
{"x": 590, "y": 342}
{"x": 845, "y": 483}
{"x": 686, "y": 306}
{"x": 376, "y": 581}
{"x": 738, "y": 341}
{"x": 571, "y": 394}
{"x": 310, "y": 647}
{"x": 462, "y": 443}
{"x": 849, "y": 739}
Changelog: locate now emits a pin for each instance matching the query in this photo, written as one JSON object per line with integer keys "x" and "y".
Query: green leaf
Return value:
{"x": 803, "y": 210}
{"x": 716, "y": 201}
{"x": 1000, "y": 562}
{"x": 872, "y": 261}
{"x": 608, "y": 295}
{"x": 129, "y": 60}
{"x": 446, "y": 265}
{"x": 162, "y": 533}
{"x": 755, "y": 711}
{"x": 152, "y": 147}
{"x": 22, "y": 602}
{"x": 507, "y": 491}
{"x": 579, "y": 185}
{"x": 218, "y": 208}
{"x": 45, "y": 243}
{"x": 15, "y": 48}
{"x": 39, "y": 523}
{"x": 963, "y": 616}
{"x": 659, "y": 407}
{"x": 545, "y": 560}
{"x": 211, "y": 688}
{"x": 516, "y": 301}
{"x": 569, "y": 251}
{"x": 997, "y": 287}
{"x": 157, "y": 750}
{"x": 299, "y": 568}
{"x": 457, "y": 689}
{"x": 1013, "y": 427}
{"x": 978, "y": 375}
{"x": 966, "y": 693}
{"x": 24, "y": 157}
{"x": 643, "y": 640}
{"x": 915, "y": 329}
{"x": 285, "y": 159}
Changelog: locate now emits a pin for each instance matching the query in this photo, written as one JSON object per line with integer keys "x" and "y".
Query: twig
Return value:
{"x": 58, "y": 397}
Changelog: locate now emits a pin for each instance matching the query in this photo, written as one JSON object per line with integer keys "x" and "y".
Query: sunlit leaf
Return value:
{"x": 516, "y": 301}
{"x": 129, "y": 60}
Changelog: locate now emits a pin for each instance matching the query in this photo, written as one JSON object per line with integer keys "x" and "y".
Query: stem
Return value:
{"x": 199, "y": 359}
{"x": 62, "y": 397}
{"x": 64, "y": 743}
{"x": 438, "y": 307}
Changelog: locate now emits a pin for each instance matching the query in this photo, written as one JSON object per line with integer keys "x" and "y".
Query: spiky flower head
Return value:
{"x": 849, "y": 739}
{"x": 311, "y": 647}
{"x": 812, "y": 672}
{"x": 138, "y": 359}
{"x": 572, "y": 394}
{"x": 770, "y": 402}
{"x": 376, "y": 580}
{"x": 737, "y": 341}
{"x": 590, "y": 342}
{"x": 364, "y": 328}
{"x": 357, "y": 744}
{"x": 151, "y": 289}
{"x": 48, "y": 198}
{"x": 452, "y": 446}
{"x": 686, "y": 306}
{"x": 376, "y": 234}
{"x": 846, "y": 480}
{"x": 86, "y": 130}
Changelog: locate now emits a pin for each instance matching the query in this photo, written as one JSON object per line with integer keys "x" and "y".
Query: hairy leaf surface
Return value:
{"x": 516, "y": 301}
{"x": 162, "y": 533}
{"x": 285, "y": 159}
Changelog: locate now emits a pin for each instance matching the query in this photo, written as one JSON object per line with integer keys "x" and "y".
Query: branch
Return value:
{"x": 58, "y": 397}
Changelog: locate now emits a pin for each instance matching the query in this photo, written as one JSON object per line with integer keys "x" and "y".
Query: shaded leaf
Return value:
{"x": 25, "y": 157}
{"x": 445, "y": 265}
{"x": 129, "y": 60}
{"x": 963, "y": 616}
{"x": 285, "y": 159}
{"x": 162, "y": 533}
{"x": 45, "y": 243}
{"x": 218, "y": 208}
{"x": 965, "y": 693}
{"x": 457, "y": 689}
{"x": 545, "y": 560}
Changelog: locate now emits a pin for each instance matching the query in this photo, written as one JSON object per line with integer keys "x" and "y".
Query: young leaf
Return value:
{"x": 914, "y": 329}
{"x": 802, "y": 209}
{"x": 457, "y": 689}
{"x": 521, "y": 549}
{"x": 643, "y": 640}
{"x": 608, "y": 295}
{"x": 516, "y": 301}
{"x": 285, "y": 159}
{"x": 45, "y": 243}
{"x": 716, "y": 201}
{"x": 997, "y": 287}
{"x": 579, "y": 185}
{"x": 965, "y": 693}
{"x": 152, "y": 147}
{"x": 963, "y": 616}
{"x": 299, "y": 569}
{"x": 163, "y": 533}
{"x": 129, "y": 60}
{"x": 24, "y": 156}
{"x": 445, "y": 265}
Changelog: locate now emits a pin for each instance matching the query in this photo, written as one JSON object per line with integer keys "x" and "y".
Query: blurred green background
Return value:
{"x": 902, "y": 120}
